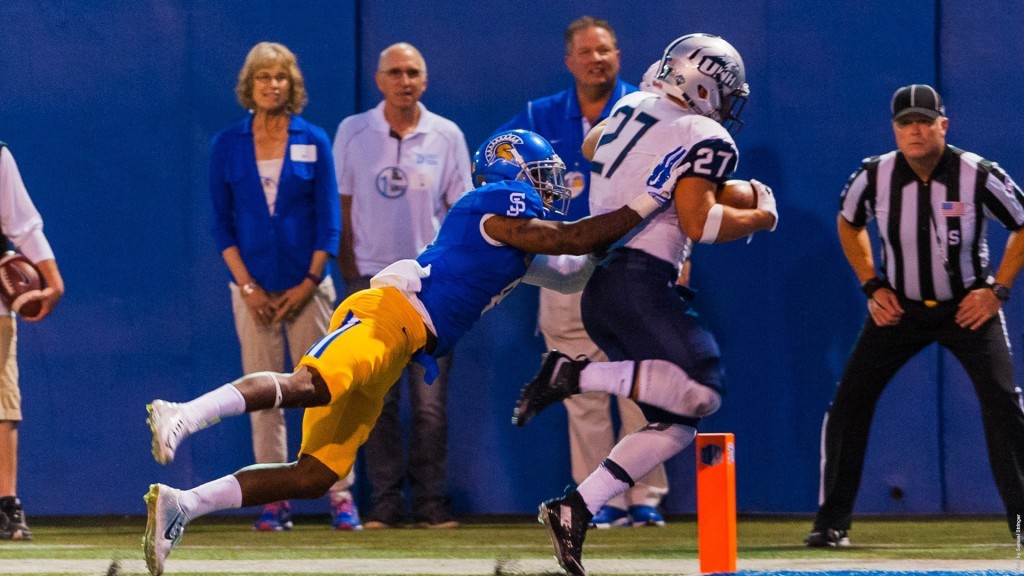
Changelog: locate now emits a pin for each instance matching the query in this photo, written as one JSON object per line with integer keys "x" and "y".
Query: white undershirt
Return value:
{"x": 270, "y": 173}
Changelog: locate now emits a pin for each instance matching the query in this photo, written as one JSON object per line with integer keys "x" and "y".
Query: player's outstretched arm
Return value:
{"x": 583, "y": 236}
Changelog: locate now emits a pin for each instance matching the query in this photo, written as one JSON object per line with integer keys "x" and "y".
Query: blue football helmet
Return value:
{"x": 525, "y": 156}
{"x": 706, "y": 73}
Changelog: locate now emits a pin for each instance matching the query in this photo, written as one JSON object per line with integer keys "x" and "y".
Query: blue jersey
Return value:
{"x": 559, "y": 120}
{"x": 468, "y": 272}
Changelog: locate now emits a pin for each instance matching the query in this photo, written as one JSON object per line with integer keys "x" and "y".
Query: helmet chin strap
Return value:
{"x": 545, "y": 195}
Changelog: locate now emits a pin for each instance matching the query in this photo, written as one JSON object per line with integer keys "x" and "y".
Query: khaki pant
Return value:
{"x": 10, "y": 395}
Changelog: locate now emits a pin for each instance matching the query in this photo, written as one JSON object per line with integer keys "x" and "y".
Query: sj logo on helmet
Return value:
{"x": 516, "y": 204}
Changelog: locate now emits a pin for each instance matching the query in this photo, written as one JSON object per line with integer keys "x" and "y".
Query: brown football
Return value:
{"x": 737, "y": 193}
{"x": 19, "y": 281}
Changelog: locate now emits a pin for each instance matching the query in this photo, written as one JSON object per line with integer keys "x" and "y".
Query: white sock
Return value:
{"x": 214, "y": 405}
{"x": 611, "y": 377}
{"x": 599, "y": 488}
{"x": 638, "y": 453}
{"x": 221, "y": 494}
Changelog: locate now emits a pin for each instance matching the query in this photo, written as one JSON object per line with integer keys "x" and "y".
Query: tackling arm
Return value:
{"x": 586, "y": 235}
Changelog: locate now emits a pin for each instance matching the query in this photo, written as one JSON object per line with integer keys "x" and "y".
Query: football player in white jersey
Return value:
{"x": 676, "y": 139}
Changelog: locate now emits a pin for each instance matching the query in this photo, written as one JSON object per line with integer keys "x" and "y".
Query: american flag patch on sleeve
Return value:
{"x": 951, "y": 209}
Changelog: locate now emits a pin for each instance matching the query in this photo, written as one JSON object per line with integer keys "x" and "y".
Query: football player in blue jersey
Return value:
{"x": 675, "y": 138}
{"x": 414, "y": 310}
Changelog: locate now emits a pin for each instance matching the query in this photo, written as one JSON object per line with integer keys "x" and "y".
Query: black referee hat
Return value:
{"x": 917, "y": 99}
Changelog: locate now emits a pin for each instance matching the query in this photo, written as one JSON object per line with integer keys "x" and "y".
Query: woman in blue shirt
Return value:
{"x": 277, "y": 221}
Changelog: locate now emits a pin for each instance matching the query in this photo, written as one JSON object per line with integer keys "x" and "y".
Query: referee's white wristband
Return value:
{"x": 644, "y": 205}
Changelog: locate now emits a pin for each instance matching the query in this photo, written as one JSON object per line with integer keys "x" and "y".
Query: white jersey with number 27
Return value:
{"x": 642, "y": 131}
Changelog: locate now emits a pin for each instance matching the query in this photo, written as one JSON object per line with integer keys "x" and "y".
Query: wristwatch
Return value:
{"x": 1001, "y": 292}
{"x": 248, "y": 288}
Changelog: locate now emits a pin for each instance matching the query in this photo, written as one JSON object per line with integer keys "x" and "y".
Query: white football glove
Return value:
{"x": 661, "y": 174}
{"x": 766, "y": 201}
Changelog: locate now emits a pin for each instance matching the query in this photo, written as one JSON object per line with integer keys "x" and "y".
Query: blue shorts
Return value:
{"x": 632, "y": 310}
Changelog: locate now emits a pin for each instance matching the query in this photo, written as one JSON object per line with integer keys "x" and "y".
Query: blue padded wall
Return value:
{"x": 109, "y": 110}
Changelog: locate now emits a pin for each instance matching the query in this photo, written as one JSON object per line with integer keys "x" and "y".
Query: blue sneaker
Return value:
{"x": 344, "y": 515}
{"x": 645, "y": 516}
{"x": 610, "y": 517}
{"x": 275, "y": 517}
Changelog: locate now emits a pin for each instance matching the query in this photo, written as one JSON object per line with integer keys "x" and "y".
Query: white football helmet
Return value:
{"x": 646, "y": 83}
{"x": 706, "y": 73}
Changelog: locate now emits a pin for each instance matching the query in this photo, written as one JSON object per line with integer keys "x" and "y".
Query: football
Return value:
{"x": 19, "y": 281}
{"x": 737, "y": 193}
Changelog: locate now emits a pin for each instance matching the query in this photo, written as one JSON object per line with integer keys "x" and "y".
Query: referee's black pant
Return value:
{"x": 879, "y": 353}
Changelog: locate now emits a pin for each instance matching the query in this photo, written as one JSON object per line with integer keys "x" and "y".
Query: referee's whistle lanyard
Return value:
{"x": 938, "y": 240}
{"x": 959, "y": 292}
{"x": 980, "y": 282}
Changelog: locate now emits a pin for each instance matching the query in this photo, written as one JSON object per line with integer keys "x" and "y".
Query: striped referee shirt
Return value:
{"x": 933, "y": 235}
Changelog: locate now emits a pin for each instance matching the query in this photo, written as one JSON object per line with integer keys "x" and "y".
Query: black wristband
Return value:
{"x": 313, "y": 278}
{"x": 873, "y": 285}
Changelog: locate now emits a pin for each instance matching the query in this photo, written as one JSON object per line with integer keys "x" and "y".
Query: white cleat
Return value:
{"x": 164, "y": 525}
{"x": 167, "y": 422}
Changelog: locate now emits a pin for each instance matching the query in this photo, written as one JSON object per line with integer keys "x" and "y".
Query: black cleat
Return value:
{"x": 567, "y": 519}
{"x": 827, "y": 538}
{"x": 558, "y": 378}
{"x": 12, "y": 520}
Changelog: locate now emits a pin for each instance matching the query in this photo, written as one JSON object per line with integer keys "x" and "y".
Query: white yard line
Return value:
{"x": 338, "y": 566}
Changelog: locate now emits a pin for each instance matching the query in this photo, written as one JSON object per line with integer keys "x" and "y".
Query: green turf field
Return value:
{"x": 504, "y": 542}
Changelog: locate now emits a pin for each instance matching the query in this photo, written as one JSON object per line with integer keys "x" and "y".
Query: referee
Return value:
{"x": 934, "y": 285}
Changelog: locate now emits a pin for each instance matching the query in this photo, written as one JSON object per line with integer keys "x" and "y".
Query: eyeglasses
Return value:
{"x": 396, "y": 73}
{"x": 265, "y": 78}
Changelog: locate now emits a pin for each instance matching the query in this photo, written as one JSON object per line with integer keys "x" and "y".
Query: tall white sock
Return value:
{"x": 599, "y": 488}
{"x": 638, "y": 453}
{"x": 220, "y": 494}
{"x": 214, "y": 405}
{"x": 611, "y": 377}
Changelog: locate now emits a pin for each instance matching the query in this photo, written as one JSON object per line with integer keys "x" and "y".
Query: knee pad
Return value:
{"x": 669, "y": 387}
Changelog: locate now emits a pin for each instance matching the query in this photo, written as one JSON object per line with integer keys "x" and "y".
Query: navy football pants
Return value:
{"x": 632, "y": 310}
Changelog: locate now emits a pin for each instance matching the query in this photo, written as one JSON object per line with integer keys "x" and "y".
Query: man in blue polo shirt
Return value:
{"x": 592, "y": 56}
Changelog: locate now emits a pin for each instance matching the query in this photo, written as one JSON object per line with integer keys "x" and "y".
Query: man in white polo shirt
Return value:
{"x": 22, "y": 225}
{"x": 400, "y": 167}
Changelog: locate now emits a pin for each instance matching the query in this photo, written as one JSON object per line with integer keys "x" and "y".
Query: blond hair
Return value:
{"x": 265, "y": 55}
